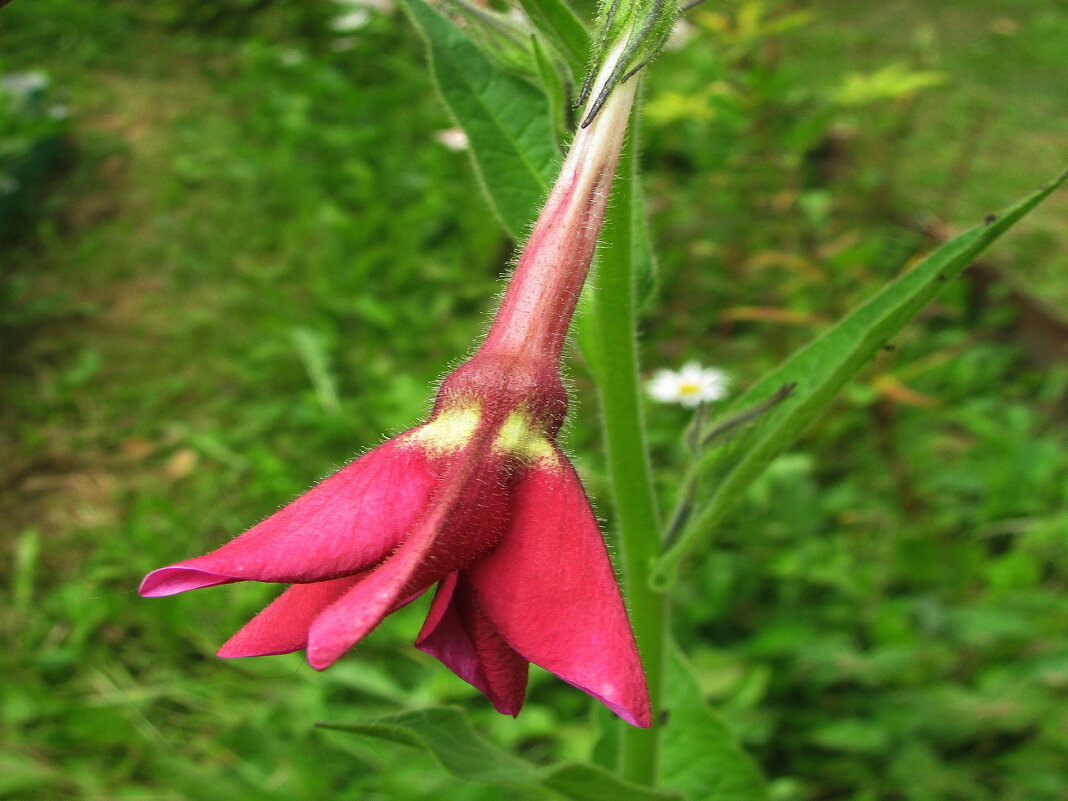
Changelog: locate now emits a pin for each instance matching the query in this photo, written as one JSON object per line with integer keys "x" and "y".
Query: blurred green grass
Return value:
{"x": 255, "y": 262}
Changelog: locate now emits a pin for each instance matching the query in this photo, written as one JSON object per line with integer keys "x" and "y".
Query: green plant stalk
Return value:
{"x": 613, "y": 325}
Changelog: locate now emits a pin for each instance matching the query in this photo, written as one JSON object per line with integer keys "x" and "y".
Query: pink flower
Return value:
{"x": 479, "y": 500}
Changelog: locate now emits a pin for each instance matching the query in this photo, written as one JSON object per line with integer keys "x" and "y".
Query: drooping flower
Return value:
{"x": 479, "y": 500}
{"x": 691, "y": 386}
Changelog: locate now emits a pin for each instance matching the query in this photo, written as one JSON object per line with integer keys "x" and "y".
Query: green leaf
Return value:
{"x": 501, "y": 37}
{"x": 22, "y": 775}
{"x": 559, "y": 24}
{"x": 448, "y": 736}
{"x": 554, "y": 88}
{"x": 852, "y": 736}
{"x": 507, "y": 119}
{"x": 699, "y": 755}
{"x": 316, "y": 360}
{"x": 821, "y": 369}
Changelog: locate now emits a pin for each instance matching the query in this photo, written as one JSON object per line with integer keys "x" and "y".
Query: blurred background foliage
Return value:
{"x": 236, "y": 248}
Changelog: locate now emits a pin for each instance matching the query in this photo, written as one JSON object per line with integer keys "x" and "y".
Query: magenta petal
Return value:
{"x": 345, "y": 523}
{"x": 462, "y": 521}
{"x": 550, "y": 591}
{"x": 282, "y": 627}
{"x": 459, "y": 635}
{"x": 388, "y": 587}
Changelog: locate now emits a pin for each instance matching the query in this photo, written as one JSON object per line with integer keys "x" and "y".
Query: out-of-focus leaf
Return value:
{"x": 559, "y": 24}
{"x": 821, "y": 368}
{"x": 889, "y": 83}
{"x": 448, "y": 736}
{"x": 555, "y": 91}
{"x": 507, "y": 120}
{"x": 313, "y": 355}
{"x": 699, "y": 754}
{"x": 503, "y": 39}
{"x": 21, "y": 773}
{"x": 851, "y": 736}
{"x": 605, "y": 750}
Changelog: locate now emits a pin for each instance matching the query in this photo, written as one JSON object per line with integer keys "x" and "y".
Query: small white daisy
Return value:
{"x": 691, "y": 386}
{"x": 452, "y": 138}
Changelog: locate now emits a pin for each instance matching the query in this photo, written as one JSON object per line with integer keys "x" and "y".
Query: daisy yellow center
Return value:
{"x": 689, "y": 388}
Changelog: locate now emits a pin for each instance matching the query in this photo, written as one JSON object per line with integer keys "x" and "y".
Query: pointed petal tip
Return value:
{"x": 632, "y": 705}
{"x": 282, "y": 627}
{"x": 473, "y": 676}
{"x": 321, "y": 657}
{"x": 174, "y": 579}
{"x": 641, "y": 719}
{"x": 342, "y": 525}
{"x": 226, "y": 651}
{"x": 459, "y": 636}
{"x": 550, "y": 591}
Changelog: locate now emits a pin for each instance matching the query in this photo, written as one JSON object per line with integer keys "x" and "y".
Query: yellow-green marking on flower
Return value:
{"x": 449, "y": 431}
{"x": 518, "y": 438}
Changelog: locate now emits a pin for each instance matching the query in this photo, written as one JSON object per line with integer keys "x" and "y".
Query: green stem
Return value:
{"x": 614, "y": 323}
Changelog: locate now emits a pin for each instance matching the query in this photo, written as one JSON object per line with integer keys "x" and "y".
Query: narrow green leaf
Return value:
{"x": 700, "y": 756}
{"x": 584, "y": 782}
{"x": 507, "y": 119}
{"x": 313, "y": 354}
{"x": 554, "y": 88}
{"x": 503, "y": 39}
{"x": 822, "y": 368}
{"x": 561, "y": 26}
{"x": 448, "y": 736}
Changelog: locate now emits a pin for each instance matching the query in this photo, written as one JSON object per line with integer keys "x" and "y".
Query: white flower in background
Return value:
{"x": 452, "y": 138}
{"x": 58, "y": 111}
{"x": 351, "y": 20}
{"x": 21, "y": 85}
{"x": 385, "y": 6}
{"x": 355, "y": 14}
{"x": 691, "y": 386}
